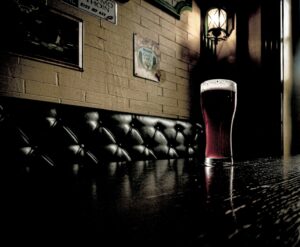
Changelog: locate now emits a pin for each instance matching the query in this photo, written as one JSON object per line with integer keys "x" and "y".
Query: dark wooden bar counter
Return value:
{"x": 176, "y": 202}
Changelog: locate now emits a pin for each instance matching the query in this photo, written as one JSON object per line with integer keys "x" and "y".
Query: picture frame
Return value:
{"x": 173, "y": 7}
{"x": 146, "y": 58}
{"x": 43, "y": 34}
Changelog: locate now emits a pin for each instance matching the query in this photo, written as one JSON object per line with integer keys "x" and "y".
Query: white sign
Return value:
{"x": 105, "y": 9}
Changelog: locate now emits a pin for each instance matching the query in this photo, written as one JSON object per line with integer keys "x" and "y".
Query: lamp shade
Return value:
{"x": 216, "y": 24}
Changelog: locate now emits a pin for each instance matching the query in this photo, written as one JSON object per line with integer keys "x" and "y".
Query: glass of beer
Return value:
{"x": 218, "y": 105}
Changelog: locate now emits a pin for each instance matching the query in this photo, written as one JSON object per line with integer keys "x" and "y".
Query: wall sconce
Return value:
{"x": 219, "y": 24}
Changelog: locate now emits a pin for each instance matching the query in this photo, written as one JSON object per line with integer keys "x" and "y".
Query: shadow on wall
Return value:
{"x": 296, "y": 103}
{"x": 296, "y": 78}
{"x": 222, "y": 64}
{"x": 256, "y": 130}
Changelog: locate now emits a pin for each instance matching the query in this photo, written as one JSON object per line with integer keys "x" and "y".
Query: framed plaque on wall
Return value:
{"x": 146, "y": 58}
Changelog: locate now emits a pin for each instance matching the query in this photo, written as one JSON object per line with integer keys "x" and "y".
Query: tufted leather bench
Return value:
{"x": 54, "y": 158}
{"x": 42, "y": 134}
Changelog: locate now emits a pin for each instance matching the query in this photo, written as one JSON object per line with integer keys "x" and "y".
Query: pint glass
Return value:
{"x": 218, "y": 105}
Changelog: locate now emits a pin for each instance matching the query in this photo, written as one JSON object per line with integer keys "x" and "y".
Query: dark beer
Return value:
{"x": 218, "y": 105}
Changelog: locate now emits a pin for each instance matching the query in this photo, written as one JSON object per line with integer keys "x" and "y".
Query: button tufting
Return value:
{"x": 160, "y": 137}
{"x": 178, "y": 127}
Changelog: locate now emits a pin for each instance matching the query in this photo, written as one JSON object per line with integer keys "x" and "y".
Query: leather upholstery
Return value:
{"x": 52, "y": 157}
{"x": 36, "y": 134}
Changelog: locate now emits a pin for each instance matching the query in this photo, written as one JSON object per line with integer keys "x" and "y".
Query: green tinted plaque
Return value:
{"x": 173, "y": 7}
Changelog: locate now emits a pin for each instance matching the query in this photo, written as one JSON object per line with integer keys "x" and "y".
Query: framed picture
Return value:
{"x": 173, "y": 7}
{"x": 39, "y": 33}
{"x": 146, "y": 58}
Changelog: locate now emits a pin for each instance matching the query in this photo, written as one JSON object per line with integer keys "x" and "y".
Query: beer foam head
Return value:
{"x": 218, "y": 84}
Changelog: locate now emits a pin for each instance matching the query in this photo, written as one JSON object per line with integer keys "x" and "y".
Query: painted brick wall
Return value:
{"x": 107, "y": 80}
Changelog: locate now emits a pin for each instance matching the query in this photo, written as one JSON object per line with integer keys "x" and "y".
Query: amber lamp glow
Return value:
{"x": 218, "y": 24}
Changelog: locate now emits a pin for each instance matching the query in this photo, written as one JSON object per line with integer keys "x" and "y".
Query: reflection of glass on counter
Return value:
{"x": 219, "y": 179}
{"x": 219, "y": 192}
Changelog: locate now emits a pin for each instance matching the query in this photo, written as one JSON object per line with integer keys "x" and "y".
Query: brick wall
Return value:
{"x": 107, "y": 79}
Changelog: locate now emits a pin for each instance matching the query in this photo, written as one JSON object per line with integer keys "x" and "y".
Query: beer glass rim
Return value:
{"x": 220, "y": 84}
